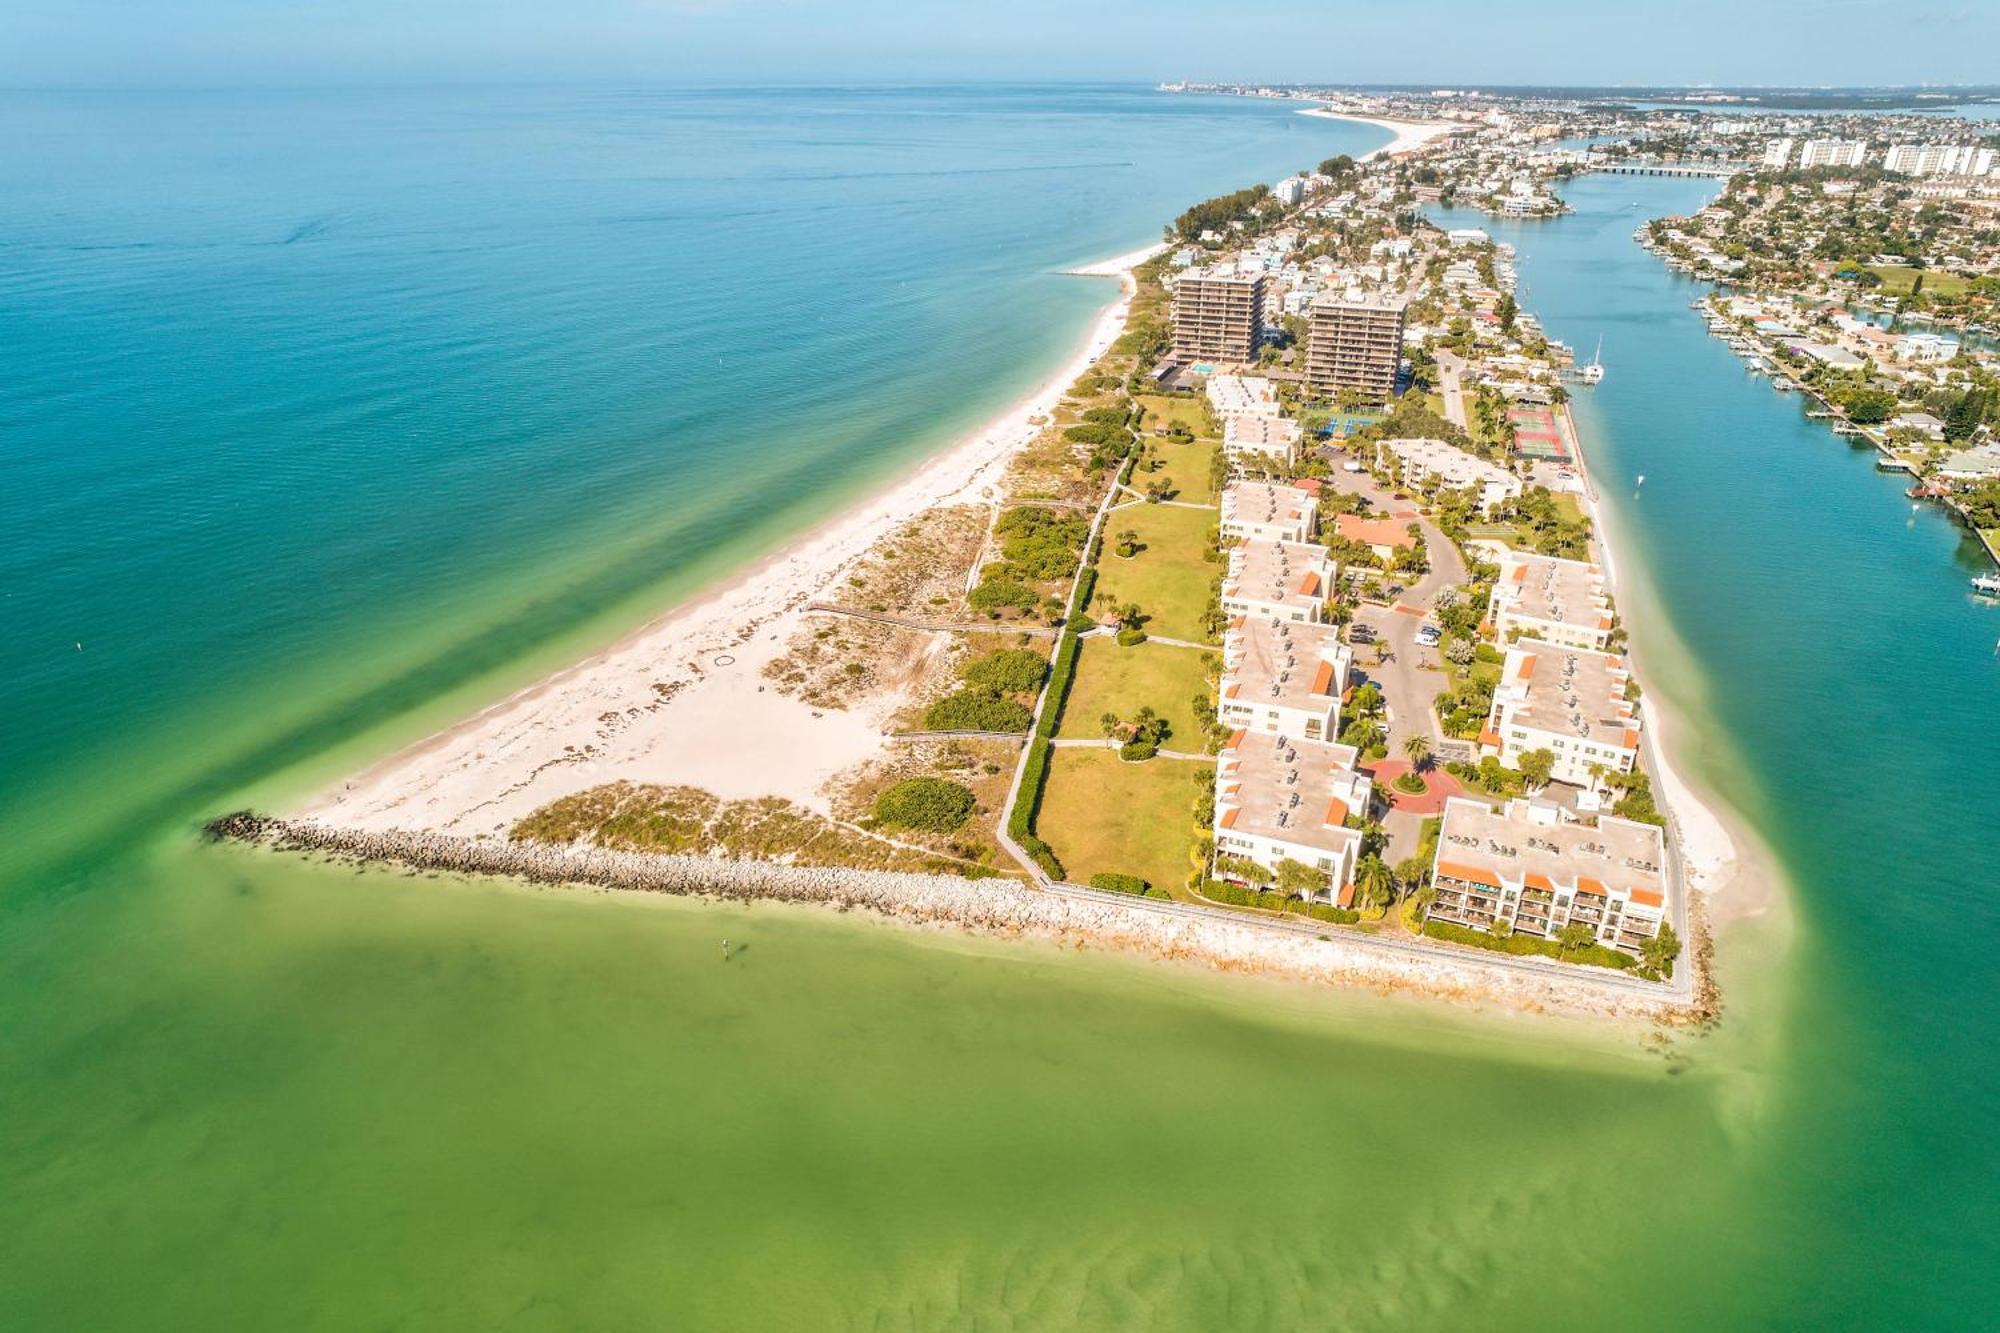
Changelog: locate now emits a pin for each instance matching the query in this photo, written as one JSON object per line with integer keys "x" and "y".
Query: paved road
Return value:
{"x": 1451, "y": 386}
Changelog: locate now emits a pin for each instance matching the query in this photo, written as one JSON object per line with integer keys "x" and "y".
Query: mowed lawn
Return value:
{"x": 1101, "y": 814}
{"x": 1170, "y": 578}
{"x": 1111, "y": 679}
{"x": 1187, "y": 470}
{"x": 1897, "y": 281}
{"x": 1190, "y": 414}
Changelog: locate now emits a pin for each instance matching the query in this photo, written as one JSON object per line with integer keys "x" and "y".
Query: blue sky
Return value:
{"x": 109, "y": 42}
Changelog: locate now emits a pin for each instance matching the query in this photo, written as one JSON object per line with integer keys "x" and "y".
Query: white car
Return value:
{"x": 1352, "y": 467}
{"x": 1428, "y": 636}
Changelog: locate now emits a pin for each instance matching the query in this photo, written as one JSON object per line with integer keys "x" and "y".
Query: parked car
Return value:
{"x": 1360, "y": 634}
{"x": 1428, "y": 636}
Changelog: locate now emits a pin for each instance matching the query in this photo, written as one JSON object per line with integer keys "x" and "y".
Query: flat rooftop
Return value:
{"x": 1293, "y": 790}
{"x": 1452, "y": 464}
{"x": 1570, "y": 592}
{"x": 1487, "y": 846}
{"x": 1282, "y": 573}
{"x": 1569, "y": 691}
{"x": 1283, "y": 665}
{"x": 1250, "y": 395}
{"x": 1266, "y": 502}
{"x": 1260, "y": 433}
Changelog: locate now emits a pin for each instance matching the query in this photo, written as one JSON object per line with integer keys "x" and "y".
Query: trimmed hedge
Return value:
{"x": 1116, "y": 883}
{"x": 1035, "y": 774}
{"x": 1235, "y": 895}
{"x": 1522, "y": 945}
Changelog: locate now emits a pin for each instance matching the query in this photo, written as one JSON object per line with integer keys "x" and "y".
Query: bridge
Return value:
{"x": 1719, "y": 169}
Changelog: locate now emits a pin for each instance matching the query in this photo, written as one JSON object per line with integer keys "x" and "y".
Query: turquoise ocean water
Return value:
{"x": 328, "y": 416}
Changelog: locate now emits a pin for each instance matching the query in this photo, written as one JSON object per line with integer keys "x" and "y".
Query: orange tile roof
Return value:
{"x": 1336, "y": 812}
{"x": 1585, "y": 884}
{"x": 1474, "y": 874}
{"x": 1347, "y": 895}
{"x": 1323, "y": 677}
{"x": 1373, "y": 532}
{"x": 1229, "y": 818}
{"x": 1649, "y": 897}
{"x": 1540, "y": 881}
{"x": 1631, "y": 739}
{"x": 1527, "y": 667}
{"x": 1230, "y": 693}
{"x": 1236, "y": 737}
{"x": 1309, "y": 584}
{"x": 1488, "y": 736}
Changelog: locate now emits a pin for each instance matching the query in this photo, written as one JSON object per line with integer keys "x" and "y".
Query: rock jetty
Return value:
{"x": 1001, "y": 907}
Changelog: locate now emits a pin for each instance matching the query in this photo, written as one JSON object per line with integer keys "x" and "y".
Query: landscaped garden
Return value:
{"x": 1120, "y": 680}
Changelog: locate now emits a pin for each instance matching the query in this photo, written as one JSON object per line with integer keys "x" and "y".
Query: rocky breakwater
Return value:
{"x": 999, "y": 907}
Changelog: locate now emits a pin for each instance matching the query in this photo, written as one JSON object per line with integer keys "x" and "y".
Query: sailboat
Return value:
{"x": 1594, "y": 372}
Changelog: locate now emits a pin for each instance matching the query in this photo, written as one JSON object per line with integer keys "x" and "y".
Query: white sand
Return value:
{"x": 713, "y": 722}
{"x": 1410, "y": 134}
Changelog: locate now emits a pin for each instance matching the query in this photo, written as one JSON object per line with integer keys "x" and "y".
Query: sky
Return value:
{"x": 95, "y": 43}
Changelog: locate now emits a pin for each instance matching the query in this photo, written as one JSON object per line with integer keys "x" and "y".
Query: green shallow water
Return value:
{"x": 240, "y": 1091}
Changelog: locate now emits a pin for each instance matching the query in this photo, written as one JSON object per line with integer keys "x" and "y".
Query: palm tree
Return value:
{"x": 1418, "y": 749}
{"x": 1374, "y": 881}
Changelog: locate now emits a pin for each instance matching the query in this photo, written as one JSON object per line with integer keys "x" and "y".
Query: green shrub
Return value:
{"x": 1009, "y": 671}
{"x": 1130, "y": 636}
{"x": 1235, "y": 895}
{"x": 1119, "y": 883}
{"x": 1086, "y": 584}
{"x": 997, "y": 591}
{"x": 925, "y": 803}
{"x": 1521, "y": 945}
{"x": 1139, "y": 749}
{"x": 975, "y": 709}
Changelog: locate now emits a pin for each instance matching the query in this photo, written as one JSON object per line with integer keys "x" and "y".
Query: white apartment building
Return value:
{"x": 1568, "y": 701}
{"x": 1278, "y": 581}
{"x": 1264, "y": 511}
{"x": 1529, "y": 867}
{"x": 1455, "y": 469}
{"x": 1778, "y": 153}
{"x": 1939, "y": 159}
{"x": 1290, "y": 191}
{"x": 1242, "y": 395}
{"x": 1278, "y": 437}
{"x": 1278, "y": 799}
{"x": 1563, "y": 602}
{"x": 1832, "y": 153}
{"x": 1285, "y": 679}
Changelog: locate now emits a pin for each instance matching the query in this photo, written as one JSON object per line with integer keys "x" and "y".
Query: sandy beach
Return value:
{"x": 683, "y": 700}
{"x": 1410, "y": 134}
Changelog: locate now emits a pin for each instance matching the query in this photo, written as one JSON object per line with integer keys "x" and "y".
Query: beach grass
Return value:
{"x": 1114, "y": 679}
{"x": 1102, "y": 815}
{"x": 1170, "y": 578}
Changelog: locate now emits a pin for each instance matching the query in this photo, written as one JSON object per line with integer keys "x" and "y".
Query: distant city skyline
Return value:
{"x": 1556, "y": 42}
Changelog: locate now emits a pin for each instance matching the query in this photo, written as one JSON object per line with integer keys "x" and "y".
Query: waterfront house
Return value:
{"x": 1527, "y": 866}
{"x": 1569, "y": 701}
{"x": 1280, "y": 799}
{"x": 1283, "y": 678}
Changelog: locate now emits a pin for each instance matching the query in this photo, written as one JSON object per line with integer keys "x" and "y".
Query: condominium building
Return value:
{"x": 1279, "y": 799}
{"x": 1281, "y": 581}
{"x": 1286, "y": 679}
{"x": 1262, "y": 511}
{"x": 1568, "y": 701}
{"x": 1832, "y": 153}
{"x": 1354, "y": 343}
{"x": 1218, "y": 314}
{"x": 1242, "y": 396}
{"x": 1563, "y": 602}
{"x": 1290, "y": 191}
{"x": 1244, "y": 436}
{"x": 1454, "y": 469}
{"x": 1939, "y": 159}
{"x": 1778, "y": 153}
{"x": 1527, "y": 866}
